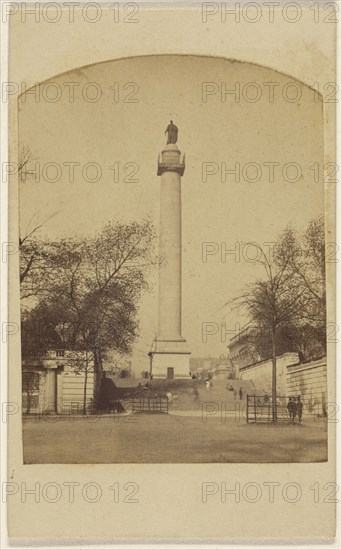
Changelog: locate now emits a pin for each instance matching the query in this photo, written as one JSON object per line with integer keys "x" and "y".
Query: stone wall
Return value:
{"x": 309, "y": 380}
{"x": 261, "y": 373}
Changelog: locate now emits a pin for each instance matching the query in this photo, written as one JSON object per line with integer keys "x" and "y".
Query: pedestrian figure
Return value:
{"x": 240, "y": 393}
{"x": 299, "y": 409}
{"x": 207, "y": 385}
{"x": 291, "y": 407}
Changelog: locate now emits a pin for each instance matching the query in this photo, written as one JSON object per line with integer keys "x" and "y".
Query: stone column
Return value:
{"x": 171, "y": 350}
{"x": 170, "y": 237}
{"x": 51, "y": 391}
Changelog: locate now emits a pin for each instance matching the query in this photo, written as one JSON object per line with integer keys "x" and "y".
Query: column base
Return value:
{"x": 171, "y": 359}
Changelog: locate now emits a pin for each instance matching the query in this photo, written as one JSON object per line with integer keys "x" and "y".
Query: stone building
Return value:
{"x": 62, "y": 381}
{"x": 241, "y": 352}
{"x": 212, "y": 367}
{"x": 220, "y": 369}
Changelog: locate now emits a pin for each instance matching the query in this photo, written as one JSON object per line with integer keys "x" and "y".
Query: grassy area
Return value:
{"x": 166, "y": 438}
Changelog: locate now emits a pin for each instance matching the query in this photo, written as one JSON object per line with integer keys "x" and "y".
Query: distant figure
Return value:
{"x": 299, "y": 409}
{"x": 207, "y": 385}
{"x": 291, "y": 407}
{"x": 235, "y": 395}
{"x": 240, "y": 393}
{"x": 172, "y": 133}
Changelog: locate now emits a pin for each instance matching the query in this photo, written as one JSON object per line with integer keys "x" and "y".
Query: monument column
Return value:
{"x": 170, "y": 169}
{"x": 171, "y": 357}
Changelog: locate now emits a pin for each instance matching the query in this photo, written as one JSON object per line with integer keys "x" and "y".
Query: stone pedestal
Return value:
{"x": 171, "y": 365}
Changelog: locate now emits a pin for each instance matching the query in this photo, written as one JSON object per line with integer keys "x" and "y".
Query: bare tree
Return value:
{"x": 151, "y": 356}
{"x": 290, "y": 298}
{"x": 24, "y": 159}
{"x": 304, "y": 256}
{"x": 34, "y": 251}
{"x": 272, "y": 302}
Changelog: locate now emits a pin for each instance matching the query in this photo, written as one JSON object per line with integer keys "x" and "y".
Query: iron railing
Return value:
{"x": 158, "y": 404}
{"x": 259, "y": 408}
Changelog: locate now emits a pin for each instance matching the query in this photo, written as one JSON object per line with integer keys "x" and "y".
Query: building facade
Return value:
{"x": 220, "y": 368}
{"x": 241, "y": 352}
{"x": 61, "y": 382}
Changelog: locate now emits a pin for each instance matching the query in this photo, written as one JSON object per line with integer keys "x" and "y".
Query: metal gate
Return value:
{"x": 259, "y": 408}
{"x": 144, "y": 404}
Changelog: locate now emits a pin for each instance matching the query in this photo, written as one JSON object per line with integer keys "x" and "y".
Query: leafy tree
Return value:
{"x": 90, "y": 298}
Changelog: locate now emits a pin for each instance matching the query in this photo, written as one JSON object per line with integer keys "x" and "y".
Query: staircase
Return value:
{"x": 192, "y": 395}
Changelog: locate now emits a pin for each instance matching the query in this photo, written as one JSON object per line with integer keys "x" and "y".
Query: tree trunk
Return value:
{"x": 151, "y": 361}
{"x": 85, "y": 386}
{"x": 274, "y": 377}
{"x": 98, "y": 374}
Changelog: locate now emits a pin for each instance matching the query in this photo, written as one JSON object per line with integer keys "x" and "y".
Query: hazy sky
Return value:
{"x": 112, "y": 132}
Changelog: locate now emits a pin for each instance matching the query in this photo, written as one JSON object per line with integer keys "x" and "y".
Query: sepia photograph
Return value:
{"x": 172, "y": 264}
{"x": 171, "y": 250}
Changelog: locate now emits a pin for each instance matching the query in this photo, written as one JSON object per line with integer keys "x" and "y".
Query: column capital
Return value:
{"x": 170, "y": 160}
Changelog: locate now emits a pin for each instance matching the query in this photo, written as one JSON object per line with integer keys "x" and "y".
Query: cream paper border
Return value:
{"x": 170, "y": 504}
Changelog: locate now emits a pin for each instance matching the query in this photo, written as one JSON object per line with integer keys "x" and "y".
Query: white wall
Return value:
{"x": 310, "y": 381}
{"x": 261, "y": 373}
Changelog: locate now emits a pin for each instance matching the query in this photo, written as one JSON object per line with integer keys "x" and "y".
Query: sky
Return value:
{"x": 113, "y": 115}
